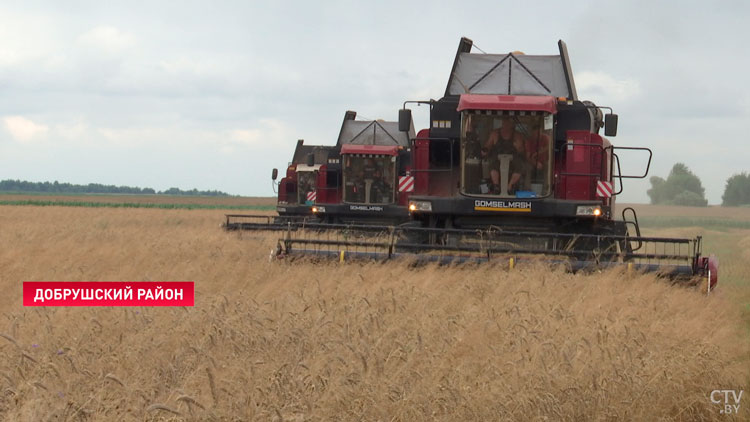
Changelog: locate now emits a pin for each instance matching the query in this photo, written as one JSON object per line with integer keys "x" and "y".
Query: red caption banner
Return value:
{"x": 108, "y": 293}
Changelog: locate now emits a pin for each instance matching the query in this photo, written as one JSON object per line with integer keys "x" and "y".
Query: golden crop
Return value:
{"x": 273, "y": 340}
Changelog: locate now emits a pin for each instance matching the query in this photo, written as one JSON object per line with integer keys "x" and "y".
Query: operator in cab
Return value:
{"x": 499, "y": 142}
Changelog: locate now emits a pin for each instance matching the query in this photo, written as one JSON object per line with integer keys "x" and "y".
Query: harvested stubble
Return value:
{"x": 275, "y": 341}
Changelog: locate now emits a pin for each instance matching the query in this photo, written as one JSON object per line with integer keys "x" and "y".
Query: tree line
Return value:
{"x": 683, "y": 187}
{"x": 57, "y": 187}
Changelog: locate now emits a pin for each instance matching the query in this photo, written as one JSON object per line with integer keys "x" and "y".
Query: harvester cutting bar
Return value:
{"x": 263, "y": 222}
{"x": 572, "y": 265}
{"x": 491, "y": 249}
{"x": 672, "y": 256}
{"x": 492, "y": 231}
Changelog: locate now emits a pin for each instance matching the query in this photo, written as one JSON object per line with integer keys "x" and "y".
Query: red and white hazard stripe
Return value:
{"x": 604, "y": 189}
{"x": 406, "y": 184}
{"x": 312, "y": 196}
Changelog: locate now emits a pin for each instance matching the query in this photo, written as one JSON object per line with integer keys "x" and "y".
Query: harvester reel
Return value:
{"x": 677, "y": 258}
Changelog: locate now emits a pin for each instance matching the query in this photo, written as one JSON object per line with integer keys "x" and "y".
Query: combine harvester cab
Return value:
{"x": 369, "y": 182}
{"x": 513, "y": 168}
{"x": 296, "y": 191}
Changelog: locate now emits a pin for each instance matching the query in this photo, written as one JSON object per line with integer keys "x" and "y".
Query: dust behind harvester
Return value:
{"x": 512, "y": 168}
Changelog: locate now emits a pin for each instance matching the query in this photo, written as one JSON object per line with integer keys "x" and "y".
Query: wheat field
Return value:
{"x": 298, "y": 341}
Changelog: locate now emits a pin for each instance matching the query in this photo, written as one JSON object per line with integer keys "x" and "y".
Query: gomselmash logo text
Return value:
{"x": 729, "y": 400}
{"x": 486, "y": 205}
{"x": 365, "y": 208}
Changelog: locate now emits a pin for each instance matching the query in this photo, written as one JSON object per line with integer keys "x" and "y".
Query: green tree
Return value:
{"x": 656, "y": 193}
{"x": 681, "y": 187}
{"x": 737, "y": 190}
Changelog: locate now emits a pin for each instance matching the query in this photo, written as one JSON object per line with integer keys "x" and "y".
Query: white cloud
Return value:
{"x": 745, "y": 104}
{"x": 107, "y": 38}
{"x": 131, "y": 137}
{"x": 268, "y": 132}
{"x": 245, "y": 136}
{"x": 603, "y": 85}
{"x": 9, "y": 57}
{"x": 26, "y": 37}
{"x": 192, "y": 66}
{"x": 23, "y": 129}
{"x": 74, "y": 131}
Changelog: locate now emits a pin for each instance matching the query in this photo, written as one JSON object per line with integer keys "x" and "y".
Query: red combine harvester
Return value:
{"x": 512, "y": 167}
{"x": 519, "y": 150}
{"x": 363, "y": 179}
{"x": 368, "y": 181}
{"x": 296, "y": 191}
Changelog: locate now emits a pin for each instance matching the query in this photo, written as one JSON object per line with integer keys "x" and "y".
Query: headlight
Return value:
{"x": 420, "y": 206}
{"x": 318, "y": 209}
{"x": 589, "y": 210}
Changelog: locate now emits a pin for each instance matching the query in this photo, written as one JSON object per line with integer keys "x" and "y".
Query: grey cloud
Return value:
{"x": 201, "y": 70}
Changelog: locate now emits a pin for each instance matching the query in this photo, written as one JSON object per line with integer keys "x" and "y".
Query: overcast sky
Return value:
{"x": 213, "y": 95}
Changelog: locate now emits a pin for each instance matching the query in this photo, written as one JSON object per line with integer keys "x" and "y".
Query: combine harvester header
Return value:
{"x": 512, "y": 167}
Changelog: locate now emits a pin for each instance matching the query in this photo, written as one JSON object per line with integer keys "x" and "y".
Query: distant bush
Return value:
{"x": 688, "y": 198}
{"x": 177, "y": 191}
{"x": 737, "y": 190}
{"x": 681, "y": 187}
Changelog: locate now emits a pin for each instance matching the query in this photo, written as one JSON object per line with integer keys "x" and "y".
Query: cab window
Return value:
{"x": 506, "y": 155}
{"x": 369, "y": 179}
